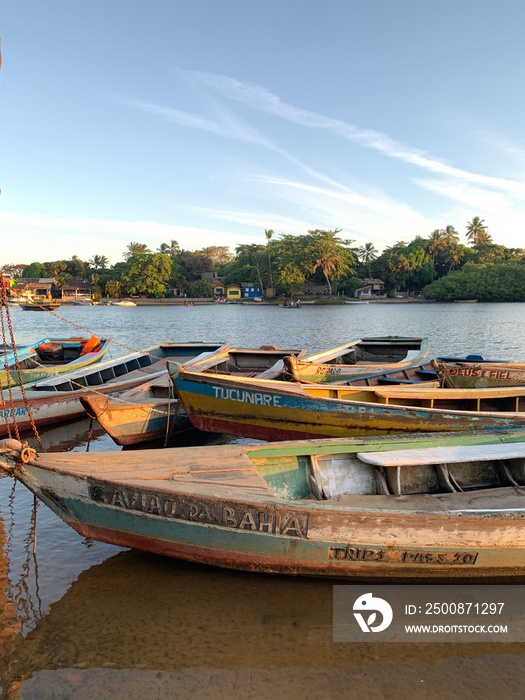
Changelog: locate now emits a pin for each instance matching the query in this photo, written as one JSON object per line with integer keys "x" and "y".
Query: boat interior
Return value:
{"x": 103, "y": 374}
{"x": 57, "y": 352}
{"x": 148, "y": 363}
{"x": 498, "y": 399}
{"x": 434, "y": 470}
{"x": 248, "y": 362}
{"x": 370, "y": 351}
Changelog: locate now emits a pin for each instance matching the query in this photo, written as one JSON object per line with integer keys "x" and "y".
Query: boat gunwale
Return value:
{"x": 303, "y": 391}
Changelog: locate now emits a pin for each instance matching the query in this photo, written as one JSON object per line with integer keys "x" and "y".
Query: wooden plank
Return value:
{"x": 418, "y": 391}
{"x": 444, "y": 455}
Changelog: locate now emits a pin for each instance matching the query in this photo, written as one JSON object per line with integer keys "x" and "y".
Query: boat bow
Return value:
{"x": 13, "y": 453}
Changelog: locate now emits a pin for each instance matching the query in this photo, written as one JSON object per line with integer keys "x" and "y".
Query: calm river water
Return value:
{"x": 87, "y": 620}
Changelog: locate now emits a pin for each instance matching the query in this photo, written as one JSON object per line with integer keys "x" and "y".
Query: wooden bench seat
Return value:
{"x": 444, "y": 455}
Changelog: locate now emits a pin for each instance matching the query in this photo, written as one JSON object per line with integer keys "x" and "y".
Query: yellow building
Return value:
{"x": 233, "y": 292}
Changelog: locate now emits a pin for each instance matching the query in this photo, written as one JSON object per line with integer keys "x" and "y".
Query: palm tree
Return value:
{"x": 436, "y": 243}
{"x": 453, "y": 256}
{"x": 135, "y": 249}
{"x": 450, "y": 235}
{"x": 366, "y": 254}
{"x": 268, "y": 232}
{"x": 477, "y": 232}
{"x": 331, "y": 262}
{"x": 172, "y": 248}
{"x": 98, "y": 262}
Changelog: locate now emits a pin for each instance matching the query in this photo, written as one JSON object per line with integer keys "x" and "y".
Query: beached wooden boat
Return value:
{"x": 444, "y": 506}
{"x": 278, "y": 410}
{"x": 475, "y": 371}
{"x": 51, "y": 356}
{"x": 153, "y": 410}
{"x": 358, "y": 358}
{"x": 58, "y": 398}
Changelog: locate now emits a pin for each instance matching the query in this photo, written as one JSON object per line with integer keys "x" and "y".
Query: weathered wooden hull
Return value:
{"x": 134, "y": 423}
{"x": 153, "y": 411}
{"x": 216, "y": 507}
{"x": 46, "y": 409}
{"x": 273, "y": 410}
{"x": 348, "y": 361}
{"x": 473, "y": 375}
{"x": 60, "y": 399}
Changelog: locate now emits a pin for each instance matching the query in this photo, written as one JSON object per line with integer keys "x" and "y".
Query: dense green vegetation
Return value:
{"x": 436, "y": 267}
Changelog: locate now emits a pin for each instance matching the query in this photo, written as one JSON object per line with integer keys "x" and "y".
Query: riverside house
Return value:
{"x": 33, "y": 288}
{"x": 76, "y": 289}
{"x": 373, "y": 289}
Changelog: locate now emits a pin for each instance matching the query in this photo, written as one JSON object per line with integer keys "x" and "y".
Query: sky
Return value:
{"x": 209, "y": 121}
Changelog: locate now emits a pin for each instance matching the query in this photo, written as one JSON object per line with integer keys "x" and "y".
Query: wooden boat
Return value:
{"x": 444, "y": 506}
{"x": 422, "y": 375}
{"x": 39, "y": 304}
{"x": 153, "y": 410}
{"x": 267, "y": 361}
{"x": 278, "y": 410}
{"x": 358, "y": 358}
{"x": 51, "y": 356}
{"x": 475, "y": 371}
{"x": 428, "y": 374}
{"x": 58, "y": 398}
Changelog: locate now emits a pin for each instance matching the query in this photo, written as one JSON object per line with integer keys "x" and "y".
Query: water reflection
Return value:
{"x": 137, "y": 622}
{"x": 79, "y": 435}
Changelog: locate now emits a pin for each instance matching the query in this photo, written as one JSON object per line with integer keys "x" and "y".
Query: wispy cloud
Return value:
{"x": 257, "y": 219}
{"x": 503, "y": 143}
{"x": 348, "y": 196}
{"x": 258, "y": 97}
{"x": 467, "y": 194}
{"x": 367, "y": 212}
{"x": 225, "y": 122}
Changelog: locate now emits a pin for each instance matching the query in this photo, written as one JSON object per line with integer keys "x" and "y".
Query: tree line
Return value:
{"x": 437, "y": 266}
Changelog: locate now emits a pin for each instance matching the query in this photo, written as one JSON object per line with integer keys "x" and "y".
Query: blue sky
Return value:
{"x": 208, "y": 121}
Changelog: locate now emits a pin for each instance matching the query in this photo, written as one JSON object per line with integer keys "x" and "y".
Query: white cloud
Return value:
{"x": 260, "y": 98}
{"x": 102, "y": 237}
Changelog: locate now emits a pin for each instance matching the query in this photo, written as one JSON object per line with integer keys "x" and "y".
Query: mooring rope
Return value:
{"x": 5, "y": 306}
{"x": 13, "y": 426}
{"x": 86, "y": 330}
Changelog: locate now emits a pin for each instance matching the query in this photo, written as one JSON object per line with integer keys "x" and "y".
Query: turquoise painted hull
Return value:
{"x": 273, "y": 410}
{"x": 29, "y": 376}
{"x": 220, "y": 506}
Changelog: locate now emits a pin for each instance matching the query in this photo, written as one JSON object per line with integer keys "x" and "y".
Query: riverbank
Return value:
{"x": 195, "y": 301}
